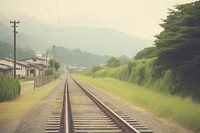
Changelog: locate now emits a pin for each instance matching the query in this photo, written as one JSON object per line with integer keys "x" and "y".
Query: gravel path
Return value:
{"x": 144, "y": 117}
{"x": 36, "y": 119}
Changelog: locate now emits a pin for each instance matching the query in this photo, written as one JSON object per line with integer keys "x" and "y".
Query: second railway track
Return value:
{"x": 84, "y": 113}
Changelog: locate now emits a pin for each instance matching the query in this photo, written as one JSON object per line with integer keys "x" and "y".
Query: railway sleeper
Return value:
{"x": 145, "y": 131}
{"x": 54, "y": 120}
{"x": 99, "y": 131}
{"x": 53, "y": 128}
{"x": 97, "y": 128}
{"x": 52, "y": 131}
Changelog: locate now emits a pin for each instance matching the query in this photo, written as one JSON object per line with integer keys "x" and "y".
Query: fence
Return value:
{"x": 40, "y": 81}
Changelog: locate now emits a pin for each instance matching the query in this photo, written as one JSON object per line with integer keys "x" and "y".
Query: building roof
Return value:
{"x": 21, "y": 63}
{"x": 36, "y": 58}
{"x": 6, "y": 67}
{"x": 35, "y": 65}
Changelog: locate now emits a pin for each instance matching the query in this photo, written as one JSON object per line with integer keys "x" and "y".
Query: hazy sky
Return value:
{"x": 136, "y": 17}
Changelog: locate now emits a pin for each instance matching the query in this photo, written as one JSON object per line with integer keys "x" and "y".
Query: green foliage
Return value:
{"x": 57, "y": 74}
{"x": 96, "y": 68}
{"x": 145, "y": 53}
{"x": 178, "y": 49}
{"x": 184, "y": 111}
{"x": 123, "y": 59}
{"x": 55, "y": 62}
{"x": 175, "y": 64}
{"x": 48, "y": 72}
{"x": 144, "y": 72}
{"x": 179, "y": 42}
{"x": 9, "y": 88}
{"x": 113, "y": 62}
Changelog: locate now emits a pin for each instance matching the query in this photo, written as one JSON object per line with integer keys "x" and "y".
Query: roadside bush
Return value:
{"x": 57, "y": 74}
{"x": 142, "y": 72}
{"x": 146, "y": 72}
{"x": 48, "y": 72}
{"x": 9, "y": 88}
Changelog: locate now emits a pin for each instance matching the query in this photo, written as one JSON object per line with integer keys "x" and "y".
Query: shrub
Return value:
{"x": 9, "y": 88}
{"x": 48, "y": 72}
{"x": 57, "y": 74}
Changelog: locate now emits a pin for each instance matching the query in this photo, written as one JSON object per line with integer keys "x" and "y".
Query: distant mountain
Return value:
{"x": 5, "y": 31}
{"x": 66, "y": 56}
{"x": 79, "y": 57}
{"x": 102, "y": 41}
{"x": 6, "y": 51}
{"x": 24, "y": 40}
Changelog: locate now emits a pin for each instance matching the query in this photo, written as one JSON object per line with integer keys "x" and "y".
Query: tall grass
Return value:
{"x": 184, "y": 111}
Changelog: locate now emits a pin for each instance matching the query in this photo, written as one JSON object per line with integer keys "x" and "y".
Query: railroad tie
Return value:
{"x": 54, "y": 120}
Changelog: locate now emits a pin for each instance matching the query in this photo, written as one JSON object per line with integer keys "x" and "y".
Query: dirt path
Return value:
{"x": 39, "y": 112}
{"x": 35, "y": 120}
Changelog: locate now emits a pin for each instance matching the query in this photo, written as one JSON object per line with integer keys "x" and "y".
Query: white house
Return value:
{"x": 37, "y": 61}
{"x": 6, "y": 70}
{"x": 23, "y": 69}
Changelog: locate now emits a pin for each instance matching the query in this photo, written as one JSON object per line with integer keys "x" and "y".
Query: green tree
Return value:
{"x": 96, "y": 68}
{"x": 123, "y": 59}
{"x": 113, "y": 62}
{"x": 56, "y": 64}
{"x": 145, "y": 53}
{"x": 179, "y": 42}
{"x": 48, "y": 72}
{"x": 178, "y": 47}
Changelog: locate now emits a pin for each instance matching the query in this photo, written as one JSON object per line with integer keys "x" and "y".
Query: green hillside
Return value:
{"x": 6, "y": 50}
{"x": 78, "y": 57}
{"x": 173, "y": 65}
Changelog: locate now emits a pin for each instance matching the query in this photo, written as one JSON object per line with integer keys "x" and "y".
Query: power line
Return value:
{"x": 33, "y": 11}
{"x": 4, "y": 17}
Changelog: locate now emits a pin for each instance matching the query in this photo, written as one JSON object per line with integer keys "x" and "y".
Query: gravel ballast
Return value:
{"x": 35, "y": 121}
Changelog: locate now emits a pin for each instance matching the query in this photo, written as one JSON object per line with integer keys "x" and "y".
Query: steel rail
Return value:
{"x": 68, "y": 125}
{"x": 115, "y": 117}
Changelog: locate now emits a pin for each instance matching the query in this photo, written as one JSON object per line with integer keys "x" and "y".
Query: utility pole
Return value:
{"x": 53, "y": 58}
{"x": 15, "y": 32}
{"x": 46, "y": 59}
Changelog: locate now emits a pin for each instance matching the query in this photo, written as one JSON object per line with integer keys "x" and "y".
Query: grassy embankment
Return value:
{"x": 17, "y": 109}
{"x": 184, "y": 111}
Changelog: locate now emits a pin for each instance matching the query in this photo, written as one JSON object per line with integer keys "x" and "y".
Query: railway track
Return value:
{"x": 82, "y": 112}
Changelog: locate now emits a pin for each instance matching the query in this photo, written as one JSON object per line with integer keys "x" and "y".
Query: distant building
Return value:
{"x": 37, "y": 61}
{"x": 41, "y": 55}
{"x": 6, "y": 69}
{"x": 24, "y": 69}
{"x": 21, "y": 68}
